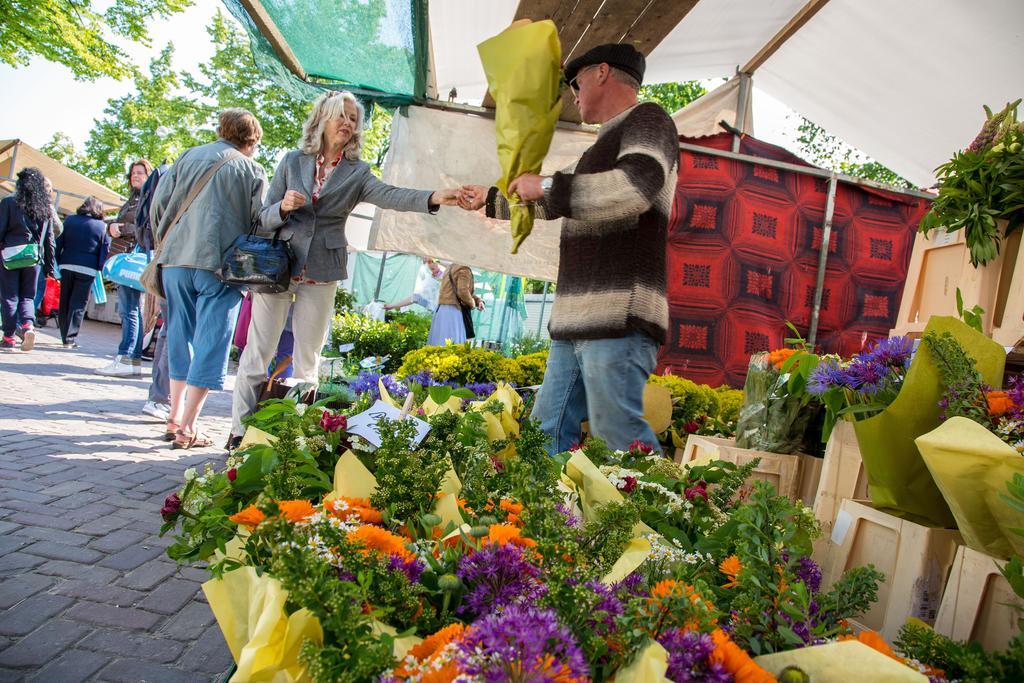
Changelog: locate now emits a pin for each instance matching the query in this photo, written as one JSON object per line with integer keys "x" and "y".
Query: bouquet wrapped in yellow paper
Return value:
{"x": 971, "y": 466}
{"x": 523, "y": 69}
{"x": 898, "y": 480}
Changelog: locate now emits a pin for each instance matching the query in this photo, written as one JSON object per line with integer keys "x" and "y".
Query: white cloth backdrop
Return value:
{"x": 431, "y": 149}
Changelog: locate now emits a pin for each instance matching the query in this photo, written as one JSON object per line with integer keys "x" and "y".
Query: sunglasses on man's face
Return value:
{"x": 574, "y": 84}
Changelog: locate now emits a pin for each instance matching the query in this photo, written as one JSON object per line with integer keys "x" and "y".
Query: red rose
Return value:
{"x": 332, "y": 422}
{"x": 629, "y": 485}
{"x": 640, "y": 448}
{"x": 691, "y": 427}
{"x": 232, "y": 474}
{"x": 172, "y": 505}
{"x": 697, "y": 491}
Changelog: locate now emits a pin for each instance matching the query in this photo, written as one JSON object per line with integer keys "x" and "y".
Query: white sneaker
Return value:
{"x": 136, "y": 367}
{"x": 157, "y": 410}
{"x": 119, "y": 367}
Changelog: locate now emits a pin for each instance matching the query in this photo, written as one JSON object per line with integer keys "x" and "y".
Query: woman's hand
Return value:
{"x": 292, "y": 200}
{"x": 114, "y": 229}
{"x": 472, "y": 197}
{"x": 479, "y": 303}
{"x": 446, "y": 197}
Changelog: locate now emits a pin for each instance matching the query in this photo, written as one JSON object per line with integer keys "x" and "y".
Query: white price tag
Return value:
{"x": 367, "y": 423}
{"x": 843, "y": 521}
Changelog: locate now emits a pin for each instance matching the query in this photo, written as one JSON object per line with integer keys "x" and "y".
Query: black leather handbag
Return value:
{"x": 261, "y": 264}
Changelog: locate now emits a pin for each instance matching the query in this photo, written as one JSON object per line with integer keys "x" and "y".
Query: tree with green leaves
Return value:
{"x": 671, "y": 96}
{"x": 78, "y": 33}
{"x": 232, "y": 79}
{"x": 828, "y": 151}
{"x": 62, "y": 149}
{"x": 156, "y": 121}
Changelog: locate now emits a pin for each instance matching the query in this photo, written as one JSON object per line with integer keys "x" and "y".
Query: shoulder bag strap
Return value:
{"x": 193, "y": 193}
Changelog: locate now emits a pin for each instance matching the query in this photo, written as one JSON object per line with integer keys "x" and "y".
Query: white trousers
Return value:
{"x": 311, "y": 321}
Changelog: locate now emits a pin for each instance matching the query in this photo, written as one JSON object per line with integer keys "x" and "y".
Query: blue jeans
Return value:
{"x": 129, "y": 302}
{"x": 600, "y": 380}
{"x": 201, "y": 315}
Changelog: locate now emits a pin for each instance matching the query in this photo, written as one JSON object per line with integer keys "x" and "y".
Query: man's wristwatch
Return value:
{"x": 546, "y": 183}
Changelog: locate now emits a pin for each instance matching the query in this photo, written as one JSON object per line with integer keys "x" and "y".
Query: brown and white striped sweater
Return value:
{"x": 615, "y": 202}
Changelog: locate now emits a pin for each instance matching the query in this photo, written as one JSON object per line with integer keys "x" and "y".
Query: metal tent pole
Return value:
{"x": 741, "y": 115}
{"x": 826, "y": 237}
{"x": 380, "y": 275}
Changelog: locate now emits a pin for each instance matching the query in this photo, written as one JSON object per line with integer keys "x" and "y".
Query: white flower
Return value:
{"x": 190, "y": 474}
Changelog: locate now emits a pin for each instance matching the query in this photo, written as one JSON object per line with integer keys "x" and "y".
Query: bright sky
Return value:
{"x": 44, "y": 98}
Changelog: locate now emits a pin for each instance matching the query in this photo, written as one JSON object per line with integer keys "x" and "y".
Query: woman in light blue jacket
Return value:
{"x": 313, "y": 192}
{"x": 201, "y": 310}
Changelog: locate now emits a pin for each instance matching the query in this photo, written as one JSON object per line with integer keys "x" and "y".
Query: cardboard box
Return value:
{"x": 914, "y": 559}
{"x": 978, "y": 603}
{"x": 842, "y": 475}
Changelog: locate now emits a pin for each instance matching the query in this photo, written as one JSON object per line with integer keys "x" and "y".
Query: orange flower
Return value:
{"x": 513, "y": 509}
{"x": 506, "y": 533}
{"x": 462, "y": 505}
{"x": 446, "y": 674}
{"x": 296, "y": 510}
{"x": 736, "y": 661}
{"x": 344, "y": 508}
{"x": 380, "y": 540}
{"x": 876, "y": 642}
{"x": 250, "y": 517}
{"x": 668, "y": 589}
{"x": 998, "y": 403}
{"x": 730, "y": 566}
{"x": 779, "y": 356}
{"x": 432, "y": 643}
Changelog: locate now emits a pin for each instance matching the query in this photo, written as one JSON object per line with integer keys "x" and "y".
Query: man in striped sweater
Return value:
{"x": 610, "y": 312}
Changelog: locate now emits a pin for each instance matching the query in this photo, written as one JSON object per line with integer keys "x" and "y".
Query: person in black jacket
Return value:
{"x": 81, "y": 252}
{"x": 25, "y": 218}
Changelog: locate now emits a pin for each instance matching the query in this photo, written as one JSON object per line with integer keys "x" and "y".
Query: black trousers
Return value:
{"x": 74, "y": 295}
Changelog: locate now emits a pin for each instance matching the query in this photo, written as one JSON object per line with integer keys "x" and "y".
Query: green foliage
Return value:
{"x": 970, "y": 316}
{"x": 465, "y": 364}
{"x": 155, "y": 121}
{"x": 961, "y": 660}
{"x": 525, "y": 345}
{"x": 377, "y": 137}
{"x": 232, "y": 79}
{"x": 378, "y": 338}
{"x": 407, "y": 479}
{"x": 344, "y": 300}
{"x": 964, "y": 388}
{"x": 981, "y": 185}
{"x": 606, "y": 535}
{"x": 79, "y": 34}
{"x": 671, "y": 96}
{"x": 830, "y": 152}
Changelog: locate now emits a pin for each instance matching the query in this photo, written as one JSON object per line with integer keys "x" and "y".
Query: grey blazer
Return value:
{"x": 226, "y": 208}
{"x": 317, "y": 231}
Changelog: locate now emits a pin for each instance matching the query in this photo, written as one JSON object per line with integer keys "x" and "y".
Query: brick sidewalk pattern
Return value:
{"x": 86, "y": 591}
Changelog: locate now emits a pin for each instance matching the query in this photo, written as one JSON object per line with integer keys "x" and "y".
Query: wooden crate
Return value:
{"x": 781, "y": 471}
{"x": 941, "y": 264}
{"x": 914, "y": 559}
{"x": 1008, "y": 315}
{"x": 978, "y": 604}
{"x": 842, "y": 475}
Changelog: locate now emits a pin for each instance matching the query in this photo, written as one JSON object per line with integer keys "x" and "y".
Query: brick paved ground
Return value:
{"x": 86, "y": 592}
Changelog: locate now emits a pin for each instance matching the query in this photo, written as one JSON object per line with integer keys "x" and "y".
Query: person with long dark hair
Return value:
{"x": 27, "y": 244}
{"x": 81, "y": 251}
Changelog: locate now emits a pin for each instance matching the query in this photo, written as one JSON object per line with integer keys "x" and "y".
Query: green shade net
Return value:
{"x": 501, "y": 321}
{"x": 375, "y": 48}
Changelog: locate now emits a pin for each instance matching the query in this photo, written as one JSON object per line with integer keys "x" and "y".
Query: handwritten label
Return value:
{"x": 367, "y": 423}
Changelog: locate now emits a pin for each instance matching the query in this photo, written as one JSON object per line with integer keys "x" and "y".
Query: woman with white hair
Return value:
{"x": 312, "y": 193}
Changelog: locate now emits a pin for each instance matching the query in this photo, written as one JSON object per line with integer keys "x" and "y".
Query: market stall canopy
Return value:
{"x": 71, "y": 187}
{"x": 904, "y": 82}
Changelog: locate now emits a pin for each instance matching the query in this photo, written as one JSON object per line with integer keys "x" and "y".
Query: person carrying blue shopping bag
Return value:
{"x": 128, "y": 360}
{"x": 81, "y": 250}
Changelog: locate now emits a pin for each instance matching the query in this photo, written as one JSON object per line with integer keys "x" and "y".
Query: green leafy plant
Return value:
{"x": 970, "y": 316}
{"x": 982, "y": 185}
{"x": 379, "y": 338}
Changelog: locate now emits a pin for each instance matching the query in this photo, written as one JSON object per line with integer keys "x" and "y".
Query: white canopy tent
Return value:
{"x": 902, "y": 81}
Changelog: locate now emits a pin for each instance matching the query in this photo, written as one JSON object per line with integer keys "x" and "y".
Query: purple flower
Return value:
{"x": 608, "y": 605}
{"x": 367, "y": 382}
{"x": 521, "y": 644}
{"x": 894, "y": 352}
{"x": 571, "y": 520}
{"x": 631, "y": 586}
{"x": 827, "y": 375}
{"x": 497, "y": 576}
{"x": 412, "y": 568}
{"x": 481, "y": 389}
{"x": 808, "y": 571}
{"x": 688, "y": 654}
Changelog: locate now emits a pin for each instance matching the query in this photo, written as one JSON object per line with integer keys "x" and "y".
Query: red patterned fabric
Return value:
{"x": 743, "y": 245}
